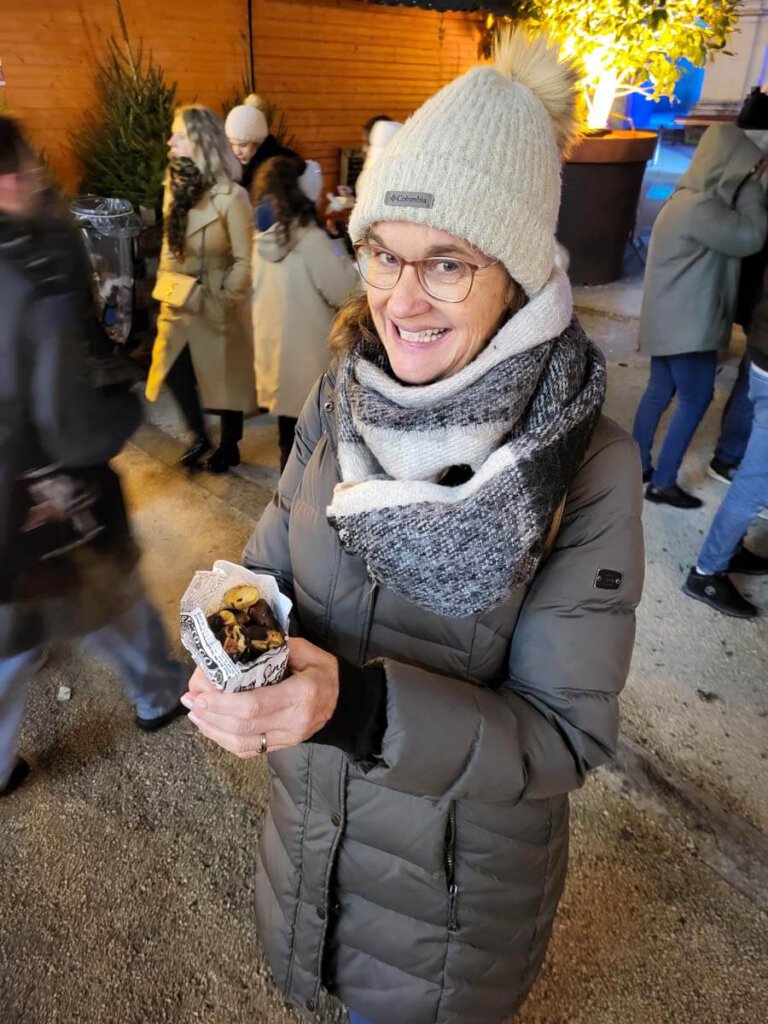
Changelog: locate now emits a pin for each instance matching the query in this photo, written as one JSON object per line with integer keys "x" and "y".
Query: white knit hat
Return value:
{"x": 311, "y": 180}
{"x": 481, "y": 160}
{"x": 379, "y": 138}
{"x": 247, "y": 123}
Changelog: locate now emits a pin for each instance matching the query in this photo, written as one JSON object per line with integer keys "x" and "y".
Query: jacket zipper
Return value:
{"x": 450, "y": 869}
{"x": 369, "y": 623}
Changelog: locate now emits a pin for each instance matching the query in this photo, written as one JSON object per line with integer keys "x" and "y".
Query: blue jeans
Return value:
{"x": 748, "y": 493}
{"x": 135, "y": 644}
{"x": 736, "y": 423}
{"x": 355, "y": 1018}
{"x": 692, "y": 378}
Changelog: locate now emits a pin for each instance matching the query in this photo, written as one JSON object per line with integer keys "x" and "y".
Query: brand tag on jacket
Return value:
{"x": 607, "y": 579}
{"x": 420, "y": 199}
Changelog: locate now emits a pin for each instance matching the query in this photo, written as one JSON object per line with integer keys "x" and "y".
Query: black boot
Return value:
{"x": 224, "y": 458}
{"x": 674, "y": 496}
{"x": 195, "y": 452}
{"x": 718, "y": 591}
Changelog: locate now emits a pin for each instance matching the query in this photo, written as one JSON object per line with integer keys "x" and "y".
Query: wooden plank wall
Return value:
{"x": 332, "y": 64}
{"x": 329, "y": 64}
{"x": 48, "y": 49}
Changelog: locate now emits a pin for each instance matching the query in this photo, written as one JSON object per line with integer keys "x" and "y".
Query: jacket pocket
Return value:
{"x": 450, "y": 869}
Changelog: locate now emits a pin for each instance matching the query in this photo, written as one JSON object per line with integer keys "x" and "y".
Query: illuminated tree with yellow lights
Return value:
{"x": 625, "y": 44}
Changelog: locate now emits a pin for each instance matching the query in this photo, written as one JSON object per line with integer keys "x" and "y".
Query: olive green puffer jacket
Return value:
{"x": 421, "y": 888}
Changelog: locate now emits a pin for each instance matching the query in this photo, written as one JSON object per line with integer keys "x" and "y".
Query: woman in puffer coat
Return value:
{"x": 716, "y": 216}
{"x": 450, "y": 684}
{"x": 300, "y": 279}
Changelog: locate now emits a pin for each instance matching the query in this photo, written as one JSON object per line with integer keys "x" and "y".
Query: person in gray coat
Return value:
{"x": 715, "y": 217}
{"x": 450, "y": 683}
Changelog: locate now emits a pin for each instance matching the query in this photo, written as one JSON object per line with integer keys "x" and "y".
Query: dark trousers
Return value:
{"x": 181, "y": 380}
{"x": 286, "y": 429}
{"x": 692, "y": 378}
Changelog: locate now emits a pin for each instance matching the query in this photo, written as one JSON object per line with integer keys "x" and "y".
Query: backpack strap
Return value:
{"x": 554, "y": 529}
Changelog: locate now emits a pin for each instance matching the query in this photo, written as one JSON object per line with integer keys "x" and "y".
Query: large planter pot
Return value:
{"x": 601, "y": 188}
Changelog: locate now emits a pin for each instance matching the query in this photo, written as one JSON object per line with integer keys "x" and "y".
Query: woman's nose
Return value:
{"x": 408, "y": 297}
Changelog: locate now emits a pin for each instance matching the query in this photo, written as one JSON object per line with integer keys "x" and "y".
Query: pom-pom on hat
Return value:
{"x": 481, "y": 159}
{"x": 246, "y": 122}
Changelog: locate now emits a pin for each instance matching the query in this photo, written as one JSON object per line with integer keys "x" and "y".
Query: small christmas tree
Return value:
{"x": 122, "y": 143}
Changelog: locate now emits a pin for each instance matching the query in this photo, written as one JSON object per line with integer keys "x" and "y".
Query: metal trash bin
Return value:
{"x": 109, "y": 227}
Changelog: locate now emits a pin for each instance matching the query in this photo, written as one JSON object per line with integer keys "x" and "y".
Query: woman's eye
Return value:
{"x": 385, "y": 259}
{"x": 448, "y": 268}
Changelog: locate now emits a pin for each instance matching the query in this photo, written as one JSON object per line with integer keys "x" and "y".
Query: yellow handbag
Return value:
{"x": 182, "y": 291}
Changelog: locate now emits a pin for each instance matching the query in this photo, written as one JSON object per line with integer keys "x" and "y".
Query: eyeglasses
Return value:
{"x": 444, "y": 278}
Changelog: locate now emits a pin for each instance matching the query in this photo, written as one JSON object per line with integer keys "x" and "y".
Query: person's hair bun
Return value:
{"x": 535, "y": 63}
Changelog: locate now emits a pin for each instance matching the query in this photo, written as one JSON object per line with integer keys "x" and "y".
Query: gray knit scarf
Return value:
{"x": 520, "y": 416}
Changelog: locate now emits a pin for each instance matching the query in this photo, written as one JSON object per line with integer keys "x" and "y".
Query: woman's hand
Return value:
{"x": 287, "y": 713}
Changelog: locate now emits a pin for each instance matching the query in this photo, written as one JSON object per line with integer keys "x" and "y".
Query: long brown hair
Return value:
{"x": 278, "y": 181}
{"x": 352, "y": 322}
{"x": 211, "y": 151}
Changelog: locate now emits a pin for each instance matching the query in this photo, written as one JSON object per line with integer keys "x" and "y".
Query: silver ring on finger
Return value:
{"x": 263, "y": 743}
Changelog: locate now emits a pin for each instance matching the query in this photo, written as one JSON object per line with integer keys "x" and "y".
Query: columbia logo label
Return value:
{"x": 423, "y": 199}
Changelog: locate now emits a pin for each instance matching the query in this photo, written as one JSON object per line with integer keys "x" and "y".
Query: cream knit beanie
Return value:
{"x": 247, "y": 123}
{"x": 481, "y": 159}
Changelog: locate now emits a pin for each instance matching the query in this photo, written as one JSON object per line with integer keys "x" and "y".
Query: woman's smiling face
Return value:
{"x": 426, "y": 339}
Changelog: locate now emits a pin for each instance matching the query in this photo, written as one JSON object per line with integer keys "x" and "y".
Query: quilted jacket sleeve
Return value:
{"x": 267, "y": 550}
{"x": 556, "y": 715}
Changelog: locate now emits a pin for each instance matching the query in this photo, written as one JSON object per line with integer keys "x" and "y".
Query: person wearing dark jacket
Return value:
{"x": 450, "y": 684}
{"x": 251, "y": 141}
{"x": 736, "y": 421}
{"x": 68, "y": 563}
{"x": 724, "y": 551}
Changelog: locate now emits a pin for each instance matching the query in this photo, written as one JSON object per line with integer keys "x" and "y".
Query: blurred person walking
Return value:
{"x": 736, "y": 421}
{"x": 204, "y": 349}
{"x": 300, "y": 279}
{"x": 68, "y": 563}
{"x": 716, "y": 216}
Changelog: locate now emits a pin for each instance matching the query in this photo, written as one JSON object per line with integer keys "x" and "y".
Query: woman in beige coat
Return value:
{"x": 206, "y": 357}
{"x": 300, "y": 279}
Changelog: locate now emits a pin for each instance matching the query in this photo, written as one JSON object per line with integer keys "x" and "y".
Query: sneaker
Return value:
{"x": 674, "y": 496}
{"x": 19, "y": 772}
{"x": 722, "y": 471}
{"x": 719, "y": 592}
{"x": 748, "y": 563}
